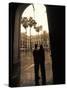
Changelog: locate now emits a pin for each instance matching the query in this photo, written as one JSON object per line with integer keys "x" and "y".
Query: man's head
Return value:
{"x": 35, "y": 46}
{"x": 41, "y": 47}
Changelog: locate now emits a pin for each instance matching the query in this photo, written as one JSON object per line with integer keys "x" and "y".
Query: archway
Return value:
{"x": 39, "y": 14}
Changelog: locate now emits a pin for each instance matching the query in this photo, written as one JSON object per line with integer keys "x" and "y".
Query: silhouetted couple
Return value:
{"x": 39, "y": 60}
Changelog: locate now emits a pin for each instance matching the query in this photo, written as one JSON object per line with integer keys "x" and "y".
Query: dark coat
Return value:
{"x": 41, "y": 55}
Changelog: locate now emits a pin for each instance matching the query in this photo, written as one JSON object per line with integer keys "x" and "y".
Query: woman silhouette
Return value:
{"x": 42, "y": 64}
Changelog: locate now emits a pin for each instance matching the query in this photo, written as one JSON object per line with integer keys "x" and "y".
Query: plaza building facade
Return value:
{"x": 35, "y": 39}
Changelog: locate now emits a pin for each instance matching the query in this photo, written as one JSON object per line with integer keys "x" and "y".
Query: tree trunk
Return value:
{"x": 30, "y": 39}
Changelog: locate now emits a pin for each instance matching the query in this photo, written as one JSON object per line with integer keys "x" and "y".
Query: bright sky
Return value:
{"x": 39, "y": 15}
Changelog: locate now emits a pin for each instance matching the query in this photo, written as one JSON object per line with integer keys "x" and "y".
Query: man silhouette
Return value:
{"x": 42, "y": 64}
{"x": 36, "y": 65}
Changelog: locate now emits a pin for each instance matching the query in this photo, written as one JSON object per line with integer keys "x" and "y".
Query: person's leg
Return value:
{"x": 43, "y": 74}
{"x": 36, "y": 74}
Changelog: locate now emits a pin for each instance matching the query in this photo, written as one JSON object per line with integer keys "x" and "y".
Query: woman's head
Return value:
{"x": 41, "y": 47}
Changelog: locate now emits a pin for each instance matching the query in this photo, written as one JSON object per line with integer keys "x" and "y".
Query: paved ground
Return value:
{"x": 27, "y": 69}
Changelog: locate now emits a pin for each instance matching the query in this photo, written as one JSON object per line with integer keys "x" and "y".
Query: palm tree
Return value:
{"x": 28, "y": 22}
{"x": 38, "y": 29}
{"x": 24, "y": 22}
{"x": 31, "y": 22}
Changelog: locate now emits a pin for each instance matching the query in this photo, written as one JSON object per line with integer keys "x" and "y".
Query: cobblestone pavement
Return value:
{"x": 27, "y": 69}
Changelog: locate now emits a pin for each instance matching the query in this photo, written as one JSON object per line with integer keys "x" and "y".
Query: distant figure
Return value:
{"x": 36, "y": 64}
{"x": 42, "y": 64}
